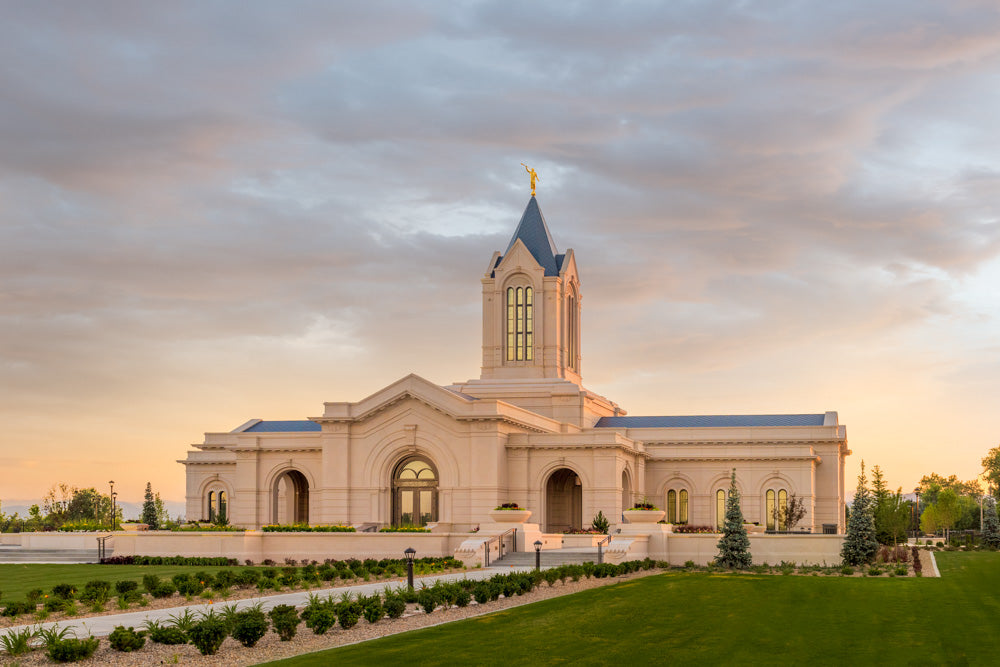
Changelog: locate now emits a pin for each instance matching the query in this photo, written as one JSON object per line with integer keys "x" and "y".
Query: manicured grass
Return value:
{"x": 17, "y": 580}
{"x": 697, "y": 618}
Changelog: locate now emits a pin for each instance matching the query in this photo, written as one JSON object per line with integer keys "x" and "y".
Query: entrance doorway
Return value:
{"x": 563, "y": 501}
{"x": 290, "y": 498}
{"x": 414, "y": 493}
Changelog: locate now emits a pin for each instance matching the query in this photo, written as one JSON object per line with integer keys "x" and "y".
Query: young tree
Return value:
{"x": 790, "y": 513}
{"x": 991, "y": 470}
{"x": 991, "y": 525}
{"x": 162, "y": 516}
{"x": 860, "y": 545}
{"x": 734, "y": 547}
{"x": 894, "y": 517}
{"x": 149, "y": 516}
{"x": 948, "y": 510}
{"x": 929, "y": 520}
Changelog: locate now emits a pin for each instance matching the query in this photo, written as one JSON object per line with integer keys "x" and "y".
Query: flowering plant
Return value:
{"x": 644, "y": 505}
{"x": 508, "y": 506}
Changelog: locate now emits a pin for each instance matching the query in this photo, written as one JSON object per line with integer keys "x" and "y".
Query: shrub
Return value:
{"x": 14, "y": 609}
{"x": 35, "y": 594}
{"x": 126, "y": 586}
{"x": 126, "y": 639}
{"x": 395, "y": 606}
{"x": 348, "y": 613}
{"x": 64, "y": 591}
{"x": 54, "y": 604}
{"x": 149, "y": 582}
{"x": 170, "y": 635}
{"x": 247, "y": 578}
{"x": 321, "y": 619}
{"x": 374, "y": 610}
{"x": 285, "y": 620}
{"x": 72, "y": 650}
{"x": 208, "y": 634}
{"x": 428, "y": 600}
{"x": 164, "y": 590}
{"x": 249, "y": 626}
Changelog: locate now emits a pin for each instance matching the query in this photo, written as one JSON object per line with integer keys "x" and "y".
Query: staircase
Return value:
{"x": 550, "y": 557}
{"x": 16, "y": 554}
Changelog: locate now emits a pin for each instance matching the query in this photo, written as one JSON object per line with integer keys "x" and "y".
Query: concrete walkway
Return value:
{"x": 101, "y": 626}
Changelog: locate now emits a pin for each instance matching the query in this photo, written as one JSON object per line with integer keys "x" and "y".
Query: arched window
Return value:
{"x": 414, "y": 493}
{"x": 223, "y": 508}
{"x": 775, "y": 505}
{"x": 571, "y": 331}
{"x": 520, "y": 323}
{"x": 211, "y": 506}
{"x": 677, "y": 506}
{"x": 720, "y": 509}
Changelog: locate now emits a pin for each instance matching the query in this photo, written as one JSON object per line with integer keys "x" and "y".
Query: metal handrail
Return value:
{"x": 102, "y": 549}
{"x": 600, "y": 549}
{"x": 501, "y": 544}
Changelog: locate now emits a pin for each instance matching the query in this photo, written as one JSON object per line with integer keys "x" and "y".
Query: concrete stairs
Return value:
{"x": 550, "y": 557}
{"x": 16, "y": 554}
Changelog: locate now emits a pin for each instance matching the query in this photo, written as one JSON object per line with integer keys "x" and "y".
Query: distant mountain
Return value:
{"x": 129, "y": 510}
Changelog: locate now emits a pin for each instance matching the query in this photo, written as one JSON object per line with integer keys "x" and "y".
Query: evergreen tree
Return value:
{"x": 860, "y": 545}
{"x": 734, "y": 547}
{"x": 149, "y": 509}
{"x": 991, "y": 525}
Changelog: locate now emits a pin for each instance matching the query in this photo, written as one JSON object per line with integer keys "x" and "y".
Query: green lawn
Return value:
{"x": 17, "y": 580}
{"x": 697, "y": 618}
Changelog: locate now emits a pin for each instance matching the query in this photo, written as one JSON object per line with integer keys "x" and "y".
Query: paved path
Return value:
{"x": 100, "y": 626}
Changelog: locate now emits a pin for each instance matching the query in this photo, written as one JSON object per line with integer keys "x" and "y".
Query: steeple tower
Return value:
{"x": 531, "y": 306}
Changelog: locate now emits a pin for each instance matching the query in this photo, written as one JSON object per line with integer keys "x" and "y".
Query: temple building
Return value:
{"x": 526, "y": 431}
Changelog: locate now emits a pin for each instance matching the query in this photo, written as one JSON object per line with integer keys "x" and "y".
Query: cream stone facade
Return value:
{"x": 526, "y": 431}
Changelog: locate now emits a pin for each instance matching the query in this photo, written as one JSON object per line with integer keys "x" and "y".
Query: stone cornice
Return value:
{"x": 748, "y": 457}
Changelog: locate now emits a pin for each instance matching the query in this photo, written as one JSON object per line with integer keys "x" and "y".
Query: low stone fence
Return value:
{"x": 806, "y": 549}
{"x": 258, "y": 546}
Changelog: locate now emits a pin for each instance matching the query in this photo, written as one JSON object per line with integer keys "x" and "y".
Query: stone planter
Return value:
{"x": 644, "y": 516}
{"x": 510, "y": 516}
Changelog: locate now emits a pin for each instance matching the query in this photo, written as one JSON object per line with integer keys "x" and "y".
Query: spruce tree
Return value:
{"x": 734, "y": 547}
{"x": 991, "y": 525}
{"x": 149, "y": 509}
{"x": 860, "y": 546}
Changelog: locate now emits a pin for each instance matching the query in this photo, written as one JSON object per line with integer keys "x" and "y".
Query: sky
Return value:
{"x": 212, "y": 211}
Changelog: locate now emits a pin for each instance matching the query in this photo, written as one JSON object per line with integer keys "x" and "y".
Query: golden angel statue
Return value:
{"x": 534, "y": 177}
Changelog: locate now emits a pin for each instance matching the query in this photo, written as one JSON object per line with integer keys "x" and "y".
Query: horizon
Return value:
{"x": 216, "y": 216}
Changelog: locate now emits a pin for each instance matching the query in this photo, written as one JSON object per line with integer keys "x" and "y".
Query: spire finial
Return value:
{"x": 534, "y": 177}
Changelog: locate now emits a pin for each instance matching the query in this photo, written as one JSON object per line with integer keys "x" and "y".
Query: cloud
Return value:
{"x": 230, "y": 212}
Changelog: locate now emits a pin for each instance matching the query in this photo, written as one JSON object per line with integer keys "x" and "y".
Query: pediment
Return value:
{"x": 519, "y": 258}
{"x": 411, "y": 386}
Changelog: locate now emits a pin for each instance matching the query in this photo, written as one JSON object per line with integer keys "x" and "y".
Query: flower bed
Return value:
{"x": 404, "y": 529}
{"x": 306, "y": 528}
{"x": 686, "y": 528}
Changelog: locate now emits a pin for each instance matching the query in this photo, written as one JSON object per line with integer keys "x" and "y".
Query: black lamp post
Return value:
{"x": 112, "y": 484}
{"x": 538, "y": 554}
{"x": 409, "y": 553}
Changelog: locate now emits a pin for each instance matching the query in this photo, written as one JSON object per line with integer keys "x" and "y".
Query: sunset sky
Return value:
{"x": 213, "y": 212}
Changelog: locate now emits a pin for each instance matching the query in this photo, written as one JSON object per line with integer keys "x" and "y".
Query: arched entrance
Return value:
{"x": 290, "y": 498}
{"x": 626, "y": 491}
{"x": 563, "y": 501}
{"x": 414, "y": 492}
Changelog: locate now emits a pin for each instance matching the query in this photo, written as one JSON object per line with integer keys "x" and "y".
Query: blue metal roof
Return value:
{"x": 710, "y": 421}
{"x": 534, "y": 233}
{"x": 284, "y": 426}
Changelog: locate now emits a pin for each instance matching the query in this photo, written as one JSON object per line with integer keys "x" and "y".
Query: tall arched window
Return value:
{"x": 571, "y": 331}
{"x": 223, "y": 508}
{"x": 520, "y": 323}
{"x": 775, "y": 505}
{"x": 720, "y": 509}
{"x": 211, "y": 506}
{"x": 677, "y": 506}
{"x": 414, "y": 493}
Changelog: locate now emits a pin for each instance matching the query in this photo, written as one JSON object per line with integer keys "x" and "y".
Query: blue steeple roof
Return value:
{"x": 534, "y": 233}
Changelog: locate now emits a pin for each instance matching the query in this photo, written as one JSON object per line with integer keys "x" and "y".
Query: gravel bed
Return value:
{"x": 272, "y": 648}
